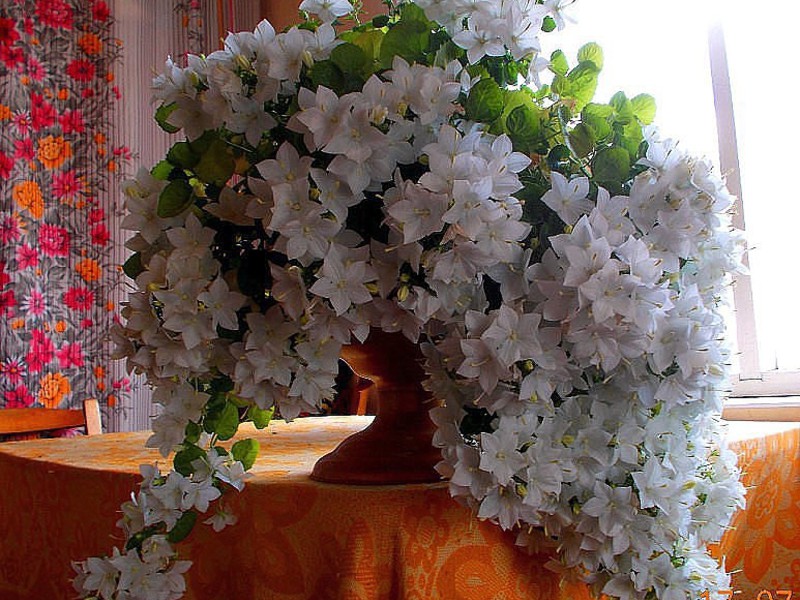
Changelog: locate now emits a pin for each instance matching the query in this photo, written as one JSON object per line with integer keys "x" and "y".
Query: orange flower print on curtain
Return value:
{"x": 53, "y": 151}
{"x": 28, "y": 196}
{"x": 57, "y": 196}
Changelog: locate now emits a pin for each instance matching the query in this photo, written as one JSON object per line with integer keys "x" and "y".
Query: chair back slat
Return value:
{"x": 33, "y": 420}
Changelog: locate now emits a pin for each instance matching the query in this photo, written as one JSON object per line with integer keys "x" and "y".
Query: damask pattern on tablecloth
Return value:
{"x": 762, "y": 547}
{"x": 58, "y": 197}
{"x": 295, "y": 539}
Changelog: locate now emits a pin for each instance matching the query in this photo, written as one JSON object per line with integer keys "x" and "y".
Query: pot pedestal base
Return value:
{"x": 397, "y": 446}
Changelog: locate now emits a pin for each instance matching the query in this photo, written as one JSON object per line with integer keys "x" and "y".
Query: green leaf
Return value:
{"x": 183, "y": 527}
{"x": 623, "y": 108}
{"x": 370, "y": 42}
{"x": 485, "y": 101}
{"x": 558, "y": 157}
{"x": 327, "y": 74}
{"x": 611, "y": 166}
{"x": 227, "y": 424}
{"x": 411, "y": 12}
{"x": 523, "y": 125}
{"x": 602, "y": 111}
{"x": 193, "y": 432}
{"x": 582, "y": 83}
{"x": 216, "y": 165}
{"x": 162, "y": 117}
{"x": 380, "y": 21}
{"x": 349, "y": 58}
{"x": 133, "y": 267}
{"x": 175, "y": 198}
{"x": 184, "y": 458}
{"x": 181, "y": 155}
{"x": 246, "y": 452}
{"x": 558, "y": 63}
{"x": 162, "y": 170}
{"x": 201, "y": 145}
{"x": 582, "y": 140}
{"x": 407, "y": 39}
{"x": 596, "y": 116}
{"x": 261, "y": 418}
{"x": 644, "y": 108}
{"x": 591, "y": 52}
{"x": 549, "y": 24}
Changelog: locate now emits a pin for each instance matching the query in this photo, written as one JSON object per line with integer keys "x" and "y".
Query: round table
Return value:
{"x": 295, "y": 538}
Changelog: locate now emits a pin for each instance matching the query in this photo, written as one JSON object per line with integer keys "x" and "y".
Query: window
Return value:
{"x": 665, "y": 49}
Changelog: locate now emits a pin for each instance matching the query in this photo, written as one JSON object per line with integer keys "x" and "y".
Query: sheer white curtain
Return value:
{"x": 151, "y": 30}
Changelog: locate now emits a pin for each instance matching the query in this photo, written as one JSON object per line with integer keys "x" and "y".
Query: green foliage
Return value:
{"x": 216, "y": 165}
{"x": 260, "y": 417}
{"x": 582, "y": 140}
{"x": 644, "y": 108}
{"x": 246, "y": 452}
{"x": 181, "y": 155}
{"x": 578, "y": 85}
{"x": 408, "y": 38}
{"x": 183, "y": 527}
{"x": 558, "y": 63}
{"x": 162, "y": 170}
{"x": 327, "y": 74}
{"x": 182, "y": 462}
{"x": 174, "y": 199}
{"x": 591, "y": 52}
{"x": 485, "y": 101}
{"x": 162, "y": 117}
{"x": 610, "y": 167}
{"x": 134, "y": 266}
{"x": 523, "y": 127}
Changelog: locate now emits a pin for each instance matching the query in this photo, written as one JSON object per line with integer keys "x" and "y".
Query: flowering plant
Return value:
{"x": 562, "y": 265}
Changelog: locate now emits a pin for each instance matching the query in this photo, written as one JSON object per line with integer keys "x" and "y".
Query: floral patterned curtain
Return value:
{"x": 58, "y": 202}
{"x": 61, "y": 68}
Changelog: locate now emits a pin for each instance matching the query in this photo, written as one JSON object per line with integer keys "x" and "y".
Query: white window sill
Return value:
{"x": 764, "y": 408}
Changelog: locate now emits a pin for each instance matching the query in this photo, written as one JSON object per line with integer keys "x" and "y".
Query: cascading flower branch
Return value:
{"x": 562, "y": 266}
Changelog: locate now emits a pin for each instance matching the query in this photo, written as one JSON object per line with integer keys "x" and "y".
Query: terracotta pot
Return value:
{"x": 397, "y": 445}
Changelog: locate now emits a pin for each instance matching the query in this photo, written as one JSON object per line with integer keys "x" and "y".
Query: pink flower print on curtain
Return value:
{"x": 58, "y": 197}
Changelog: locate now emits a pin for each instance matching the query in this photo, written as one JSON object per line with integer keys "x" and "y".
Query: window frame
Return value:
{"x": 756, "y": 394}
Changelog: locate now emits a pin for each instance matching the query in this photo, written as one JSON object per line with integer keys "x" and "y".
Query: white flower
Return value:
{"x": 101, "y": 576}
{"x": 481, "y": 38}
{"x": 248, "y": 117}
{"x": 480, "y": 362}
{"x": 192, "y": 240}
{"x": 310, "y": 236}
{"x": 355, "y": 136}
{"x": 568, "y": 198}
{"x": 287, "y": 166}
{"x": 222, "y": 303}
{"x": 233, "y": 474}
{"x": 327, "y": 10}
{"x": 343, "y": 282}
{"x": 221, "y": 519}
{"x": 501, "y": 506}
{"x": 500, "y": 456}
{"x": 513, "y": 336}
{"x": 287, "y": 52}
{"x": 419, "y": 212}
{"x": 141, "y": 200}
{"x": 613, "y": 508}
{"x": 133, "y": 572}
{"x": 655, "y": 485}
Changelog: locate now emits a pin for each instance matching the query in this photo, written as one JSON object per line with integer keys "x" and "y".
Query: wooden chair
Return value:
{"x": 39, "y": 420}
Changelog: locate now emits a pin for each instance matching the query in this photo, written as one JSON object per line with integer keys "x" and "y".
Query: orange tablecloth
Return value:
{"x": 296, "y": 539}
{"x": 763, "y": 546}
